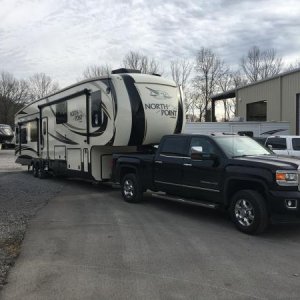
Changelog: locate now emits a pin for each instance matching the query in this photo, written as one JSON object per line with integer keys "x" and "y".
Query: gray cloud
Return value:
{"x": 61, "y": 37}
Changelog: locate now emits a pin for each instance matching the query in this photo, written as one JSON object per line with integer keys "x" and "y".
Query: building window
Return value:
{"x": 61, "y": 113}
{"x": 257, "y": 111}
{"x": 96, "y": 109}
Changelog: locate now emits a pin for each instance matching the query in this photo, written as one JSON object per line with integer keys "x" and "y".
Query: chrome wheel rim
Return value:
{"x": 128, "y": 188}
{"x": 244, "y": 212}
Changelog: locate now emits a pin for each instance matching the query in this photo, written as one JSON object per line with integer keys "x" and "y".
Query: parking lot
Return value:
{"x": 84, "y": 242}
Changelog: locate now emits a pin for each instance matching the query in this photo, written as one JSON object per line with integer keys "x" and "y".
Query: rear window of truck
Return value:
{"x": 174, "y": 146}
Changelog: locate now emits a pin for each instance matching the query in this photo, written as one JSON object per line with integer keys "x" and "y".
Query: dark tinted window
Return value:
{"x": 61, "y": 113}
{"x": 257, "y": 111}
{"x": 174, "y": 146}
{"x": 96, "y": 109}
{"x": 296, "y": 143}
{"x": 207, "y": 145}
{"x": 24, "y": 135}
{"x": 277, "y": 143}
{"x": 17, "y": 135}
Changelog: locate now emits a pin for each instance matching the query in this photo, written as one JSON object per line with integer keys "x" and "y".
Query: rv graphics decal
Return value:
{"x": 165, "y": 110}
{"x": 77, "y": 115}
{"x": 158, "y": 94}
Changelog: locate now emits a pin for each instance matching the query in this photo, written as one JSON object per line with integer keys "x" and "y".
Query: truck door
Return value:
{"x": 295, "y": 146}
{"x": 278, "y": 145}
{"x": 202, "y": 178}
{"x": 168, "y": 171}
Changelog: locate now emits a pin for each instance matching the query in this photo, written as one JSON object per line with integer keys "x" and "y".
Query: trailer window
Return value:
{"x": 61, "y": 113}
{"x": 277, "y": 143}
{"x": 296, "y": 143}
{"x": 96, "y": 108}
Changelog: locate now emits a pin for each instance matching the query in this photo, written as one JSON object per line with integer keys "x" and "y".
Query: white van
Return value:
{"x": 284, "y": 144}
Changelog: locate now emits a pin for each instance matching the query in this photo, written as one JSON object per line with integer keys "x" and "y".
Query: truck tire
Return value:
{"x": 131, "y": 189}
{"x": 249, "y": 212}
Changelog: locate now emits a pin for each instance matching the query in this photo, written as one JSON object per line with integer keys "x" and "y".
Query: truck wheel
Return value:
{"x": 35, "y": 170}
{"x": 131, "y": 189}
{"x": 249, "y": 212}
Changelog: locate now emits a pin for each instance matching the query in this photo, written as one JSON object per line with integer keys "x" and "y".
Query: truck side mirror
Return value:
{"x": 270, "y": 147}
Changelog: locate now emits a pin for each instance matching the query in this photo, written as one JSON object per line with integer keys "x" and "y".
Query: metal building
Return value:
{"x": 274, "y": 99}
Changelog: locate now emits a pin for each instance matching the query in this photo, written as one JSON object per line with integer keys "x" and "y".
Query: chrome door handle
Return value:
{"x": 158, "y": 162}
{"x": 187, "y": 165}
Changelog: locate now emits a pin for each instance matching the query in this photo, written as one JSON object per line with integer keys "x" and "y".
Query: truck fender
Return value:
{"x": 235, "y": 184}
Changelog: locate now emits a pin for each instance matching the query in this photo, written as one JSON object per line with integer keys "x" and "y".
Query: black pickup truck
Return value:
{"x": 217, "y": 171}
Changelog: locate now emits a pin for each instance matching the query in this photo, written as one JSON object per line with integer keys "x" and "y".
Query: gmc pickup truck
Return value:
{"x": 229, "y": 172}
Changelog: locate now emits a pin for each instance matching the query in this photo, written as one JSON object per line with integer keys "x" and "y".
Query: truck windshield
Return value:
{"x": 237, "y": 146}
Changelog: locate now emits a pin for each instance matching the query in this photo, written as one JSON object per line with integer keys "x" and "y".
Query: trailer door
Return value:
{"x": 44, "y": 139}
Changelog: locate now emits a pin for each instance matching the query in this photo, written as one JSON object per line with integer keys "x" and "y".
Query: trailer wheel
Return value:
{"x": 41, "y": 172}
{"x": 131, "y": 189}
{"x": 35, "y": 169}
{"x": 249, "y": 212}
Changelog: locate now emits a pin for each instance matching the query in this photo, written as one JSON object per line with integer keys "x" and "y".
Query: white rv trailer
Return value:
{"x": 76, "y": 130}
{"x": 254, "y": 129}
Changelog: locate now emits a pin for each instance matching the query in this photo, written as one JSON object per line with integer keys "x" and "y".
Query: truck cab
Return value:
{"x": 284, "y": 144}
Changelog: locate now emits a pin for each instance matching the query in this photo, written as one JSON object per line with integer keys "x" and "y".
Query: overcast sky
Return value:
{"x": 62, "y": 37}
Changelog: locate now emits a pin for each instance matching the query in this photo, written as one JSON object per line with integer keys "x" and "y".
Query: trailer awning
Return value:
{"x": 225, "y": 95}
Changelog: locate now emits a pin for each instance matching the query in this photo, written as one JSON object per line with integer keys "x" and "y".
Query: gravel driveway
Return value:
{"x": 20, "y": 198}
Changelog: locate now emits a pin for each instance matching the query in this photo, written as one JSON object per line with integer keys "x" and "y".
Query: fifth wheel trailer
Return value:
{"x": 76, "y": 130}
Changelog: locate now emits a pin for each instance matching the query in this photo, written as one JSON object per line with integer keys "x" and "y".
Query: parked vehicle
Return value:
{"x": 253, "y": 129}
{"x": 76, "y": 130}
{"x": 231, "y": 172}
{"x": 6, "y": 136}
{"x": 284, "y": 145}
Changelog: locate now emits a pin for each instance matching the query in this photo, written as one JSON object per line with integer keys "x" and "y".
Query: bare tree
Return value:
{"x": 209, "y": 69}
{"x": 13, "y": 95}
{"x": 258, "y": 64}
{"x": 181, "y": 71}
{"x": 293, "y": 66}
{"x": 41, "y": 85}
{"x": 138, "y": 61}
{"x": 96, "y": 71}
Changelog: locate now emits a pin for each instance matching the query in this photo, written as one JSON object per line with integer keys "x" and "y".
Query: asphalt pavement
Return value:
{"x": 86, "y": 243}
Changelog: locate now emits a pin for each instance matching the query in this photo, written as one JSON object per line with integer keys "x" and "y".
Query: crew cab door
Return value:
{"x": 278, "y": 145}
{"x": 202, "y": 178}
{"x": 168, "y": 172}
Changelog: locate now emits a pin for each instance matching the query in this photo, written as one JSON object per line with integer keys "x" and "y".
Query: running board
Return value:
{"x": 183, "y": 200}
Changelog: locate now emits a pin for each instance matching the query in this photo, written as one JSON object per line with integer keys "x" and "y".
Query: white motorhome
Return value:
{"x": 76, "y": 130}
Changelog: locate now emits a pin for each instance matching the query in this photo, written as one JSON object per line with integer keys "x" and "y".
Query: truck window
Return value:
{"x": 96, "y": 109}
{"x": 296, "y": 143}
{"x": 206, "y": 145}
{"x": 277, "y": 143}
{"x": 61, "y": 113}
{"x": 174, "y": 146}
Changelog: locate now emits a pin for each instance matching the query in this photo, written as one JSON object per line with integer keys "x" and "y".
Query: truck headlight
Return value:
{"x": 287, "y": 178}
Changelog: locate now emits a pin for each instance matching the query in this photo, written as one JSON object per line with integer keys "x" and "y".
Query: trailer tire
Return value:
{"x": 249, "y": 212}
{"x": 35, "y": 169}
{"x": 131, "y": 189}
{"x": 41, "y": 172}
